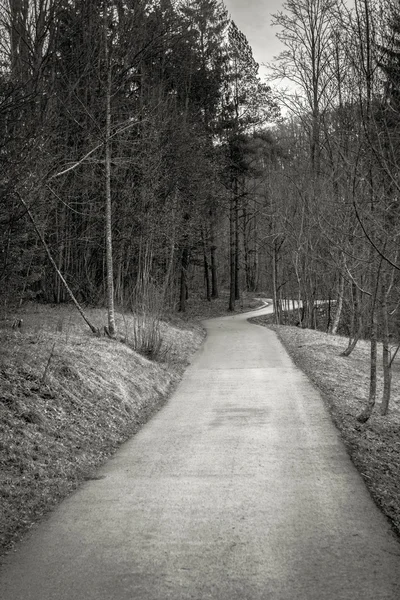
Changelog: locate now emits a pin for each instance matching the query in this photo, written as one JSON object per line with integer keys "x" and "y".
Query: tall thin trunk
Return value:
{"x": 61, "y": 236}
{"x": 232, "y": 265}
{"x": 206, "y": 267}
{"x": 386, "y": 358}
{"x": 213, "y": 254}
{"x": 367, "y": 412}
{"x": 356, "y": 325}
{"x": 170, "y": 264}
{"x": 207, "y": 278}
{"x": 246, "y": 259}
{"x": 329, "y": 318}
{"x": 19, "y": 10}
{"x": 237, "y": 244}
{"x": 214, "y": 278}
{"x": 299, "y": 300}
{"x": 255, "y": 269}
{"x": 108, "y": 211}
{"x": 339, "y": 305}
{"x": 277, "y": 308}
{"x": 183, "y": 284}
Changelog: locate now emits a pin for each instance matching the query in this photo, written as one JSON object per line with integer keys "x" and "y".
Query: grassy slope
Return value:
{"x": 69, "y": 399}
{"x": 344, "y": 382}
{"x": 56, "y": 428}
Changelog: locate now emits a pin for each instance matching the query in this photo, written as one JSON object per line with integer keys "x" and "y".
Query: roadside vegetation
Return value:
{"x": 68, "y": 399}
{"x": 374, "y": 445}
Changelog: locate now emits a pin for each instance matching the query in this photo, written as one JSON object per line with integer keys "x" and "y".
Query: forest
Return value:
{"x": 143, "y": 160}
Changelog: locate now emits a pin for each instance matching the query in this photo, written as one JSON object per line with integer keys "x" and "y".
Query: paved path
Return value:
{"x": 239, "y": 489}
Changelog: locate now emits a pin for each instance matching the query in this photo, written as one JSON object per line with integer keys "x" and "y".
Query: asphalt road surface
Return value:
{"x": 239, "y": 489}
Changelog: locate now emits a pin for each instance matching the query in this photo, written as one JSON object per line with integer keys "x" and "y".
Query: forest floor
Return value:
{"x": 68, "y": 399}
{"x": 374, "y": 447}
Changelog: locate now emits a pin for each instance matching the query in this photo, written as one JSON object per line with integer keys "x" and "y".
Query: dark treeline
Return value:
{"x": 155, "y": 164}
{"x": 121, "y": 131}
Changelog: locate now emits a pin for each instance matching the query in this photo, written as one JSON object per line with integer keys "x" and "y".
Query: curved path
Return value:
{"x": 239, "y": 489}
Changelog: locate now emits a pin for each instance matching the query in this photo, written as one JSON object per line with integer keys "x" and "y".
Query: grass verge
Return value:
{"x": 344, "y": 383}
{"x": 68, "y": 400}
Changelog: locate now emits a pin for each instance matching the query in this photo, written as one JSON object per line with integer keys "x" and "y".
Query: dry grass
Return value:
{"x": 67, "y": 400}
{"x": 344, "y": 382}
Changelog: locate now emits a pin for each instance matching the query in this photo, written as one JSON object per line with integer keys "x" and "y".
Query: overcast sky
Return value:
{"x": 253, "y": 18}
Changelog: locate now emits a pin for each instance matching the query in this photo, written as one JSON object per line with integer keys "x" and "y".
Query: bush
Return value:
{"x": 145, "y": 337}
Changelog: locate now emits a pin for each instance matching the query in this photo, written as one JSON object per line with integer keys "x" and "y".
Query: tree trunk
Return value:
{"x": 19, "y": 11}
{"x": 206, "y": 268}
{"x": 170, "y": 264}
{"x": 255, "y": 269}
{"x": 207, "y": 278}
{"x": 246, "y": 260}
{"x": 386, "y": 358}
{"x": 214, "y": 279}
{"x": 183, "y": 286}
{"x": 339, "y": 305}
{"x": 277, "y": 308}
{"x": 299, "y": 300}
{"x": 329, "y": 319}
{"x": 213, "y": 253}
{"x": 356, "y": 323}
{"x": 108, "y": 225}
{"x": 237, "y": 265}
{"x": 232, "y": 254}
{"x": 62, "y": 235}
{"x": 367, "y": 412}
